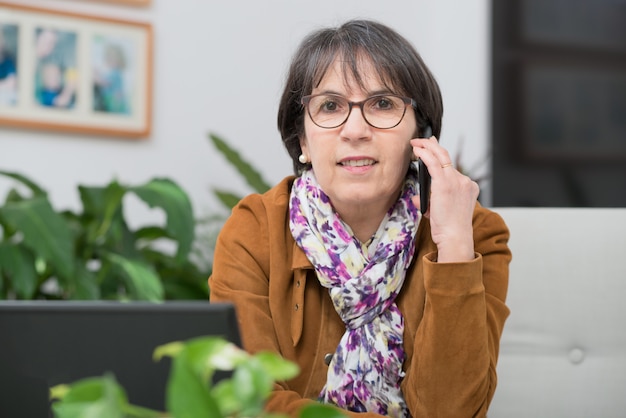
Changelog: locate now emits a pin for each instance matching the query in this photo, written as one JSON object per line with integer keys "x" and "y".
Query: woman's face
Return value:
{"x": 358, "y": 166}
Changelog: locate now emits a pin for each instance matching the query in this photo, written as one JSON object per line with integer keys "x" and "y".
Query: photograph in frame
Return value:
{"x": 71, "y": 72}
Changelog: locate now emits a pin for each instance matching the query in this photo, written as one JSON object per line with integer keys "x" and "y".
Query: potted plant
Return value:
{"x": 93, "y": 253}
{"x": 190, "y": 391}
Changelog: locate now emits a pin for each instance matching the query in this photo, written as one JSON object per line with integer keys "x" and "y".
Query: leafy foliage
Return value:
{"x": 94, "y": 253}
{"x": 190, "y": 390}
{"x": 210, "y": 226}
{"x": 251, "y": 175}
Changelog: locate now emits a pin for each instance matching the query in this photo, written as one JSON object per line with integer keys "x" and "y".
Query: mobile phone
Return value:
{"x": 423, "y": 176}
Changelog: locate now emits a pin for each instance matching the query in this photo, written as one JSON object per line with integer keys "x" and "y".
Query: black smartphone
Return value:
{"x": 423, "y": 176}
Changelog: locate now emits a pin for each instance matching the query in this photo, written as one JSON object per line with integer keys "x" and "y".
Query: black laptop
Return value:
{"x": 45, "y": 343}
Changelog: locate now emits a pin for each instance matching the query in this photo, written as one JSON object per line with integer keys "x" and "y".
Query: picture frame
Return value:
{"x": 128, "y": 2}
{"x": 74, "y": 72}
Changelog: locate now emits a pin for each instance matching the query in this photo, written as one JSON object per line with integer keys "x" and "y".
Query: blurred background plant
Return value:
{"x": 479, "y": 171}
{"x": 93, "y": 253}
{"x": 209, "y": 226}
{"x": 190, "y": 390}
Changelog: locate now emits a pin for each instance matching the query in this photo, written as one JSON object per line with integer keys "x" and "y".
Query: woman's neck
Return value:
{"x": 364, "y": 221}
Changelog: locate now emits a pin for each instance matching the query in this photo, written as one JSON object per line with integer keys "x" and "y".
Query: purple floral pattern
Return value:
{"x": 363, "y": 282}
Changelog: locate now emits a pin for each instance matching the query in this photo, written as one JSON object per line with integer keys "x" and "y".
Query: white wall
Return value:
{"x": 219, "y": 66}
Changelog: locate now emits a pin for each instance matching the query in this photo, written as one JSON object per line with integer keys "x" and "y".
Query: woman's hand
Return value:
{"x": 452, "y": 201}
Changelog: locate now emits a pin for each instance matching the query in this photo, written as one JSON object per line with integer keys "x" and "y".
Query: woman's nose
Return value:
{"x": 356, "y": 126}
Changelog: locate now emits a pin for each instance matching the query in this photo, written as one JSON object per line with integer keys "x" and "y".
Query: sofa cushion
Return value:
{"x": 563, "y": 351}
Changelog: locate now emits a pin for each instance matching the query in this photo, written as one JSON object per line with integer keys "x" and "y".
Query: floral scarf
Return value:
{"x": 366, "y": 370}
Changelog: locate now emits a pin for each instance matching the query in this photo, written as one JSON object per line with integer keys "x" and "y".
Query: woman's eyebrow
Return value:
{"x": 333, "y": 92}
{"x": 380, "y": 92}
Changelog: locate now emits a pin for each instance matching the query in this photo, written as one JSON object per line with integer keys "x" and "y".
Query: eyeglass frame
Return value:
{"x": 305, "y": 100}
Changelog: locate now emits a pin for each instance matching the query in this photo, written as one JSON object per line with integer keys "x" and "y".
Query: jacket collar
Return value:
{"x": 299, "y": 259}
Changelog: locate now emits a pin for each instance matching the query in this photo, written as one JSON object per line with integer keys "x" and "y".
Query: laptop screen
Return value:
{"x": 45, "y": 343}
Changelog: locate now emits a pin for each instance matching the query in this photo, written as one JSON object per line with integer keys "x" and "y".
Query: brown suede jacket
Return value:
{"x": 454, "y": 313}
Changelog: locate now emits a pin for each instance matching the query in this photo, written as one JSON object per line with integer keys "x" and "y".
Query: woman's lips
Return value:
{"x": 360, "y": 162}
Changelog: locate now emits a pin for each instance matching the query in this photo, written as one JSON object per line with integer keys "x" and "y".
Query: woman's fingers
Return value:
{"x": 452, "y": 200}
{"x": 434, "y": 155}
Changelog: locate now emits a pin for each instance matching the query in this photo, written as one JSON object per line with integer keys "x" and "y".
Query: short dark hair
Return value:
{"x": 397, "y": 62}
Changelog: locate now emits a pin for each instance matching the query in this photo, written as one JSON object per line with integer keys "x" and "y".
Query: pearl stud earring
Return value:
{"x": 303, "y": 159}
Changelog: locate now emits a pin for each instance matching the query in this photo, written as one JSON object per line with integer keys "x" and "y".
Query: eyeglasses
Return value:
{"x": 383, "y": 111}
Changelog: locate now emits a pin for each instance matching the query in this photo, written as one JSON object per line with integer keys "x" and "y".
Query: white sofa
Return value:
{"x": 563, "y": 351}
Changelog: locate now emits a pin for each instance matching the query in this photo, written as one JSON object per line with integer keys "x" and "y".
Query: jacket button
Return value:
{"x": 296, "y": 307}
{"x": 328, "y": 358}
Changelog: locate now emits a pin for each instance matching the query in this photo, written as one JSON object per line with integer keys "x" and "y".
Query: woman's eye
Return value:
{"x": 329, "y": 106}
{"x": 383, "y": 103}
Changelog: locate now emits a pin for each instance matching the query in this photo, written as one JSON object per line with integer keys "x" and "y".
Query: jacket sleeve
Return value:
{"x": 455, "y": 350}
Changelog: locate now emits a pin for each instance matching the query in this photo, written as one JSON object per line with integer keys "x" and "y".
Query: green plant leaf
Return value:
{"x": 58, "y": 392}
{"x": 252, "y": 386}
{"x": 207, "y": 354}
{"x": 104, "y": 205}
{"x": 187, "y": 394}
{"x": 141, "y": 279}
{"x": 193, "y": 369}
{"x": 96, "y": 397}
{"x": 166, "y": 194}
{"x": 19, "y": 265}
{"x": 134, "y": 411}
{"x": 276, "y": 366}
{"x": 170, "y": 350}
{"x": 228, "y": 199}
{"x": 151, "y": 233}
{"x": 34, "y": 187}
{"x": 225, "y": 394}
{"x": 318, "y": 410}
{"x": 249, "y": 173}
{"x": 44, "y": 231}
{"x": 92, "y": 397}
{"x": 180, "y": 281}
{"x": 84, "y": 284}
{"x": 101, "y": 228}
{"x": 185, "y": 291}
{"x": 14, "y": 195}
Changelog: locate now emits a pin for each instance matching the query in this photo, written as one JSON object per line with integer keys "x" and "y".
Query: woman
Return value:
{"x": 385, "y": 311}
